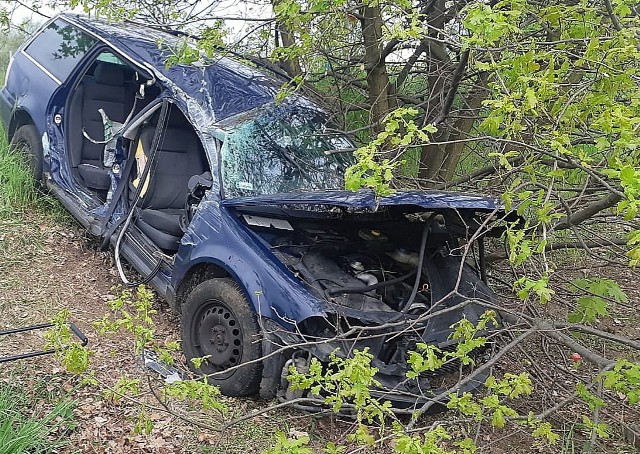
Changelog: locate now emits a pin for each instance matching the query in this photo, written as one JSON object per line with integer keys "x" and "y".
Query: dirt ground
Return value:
{"x": 48, "y": 264}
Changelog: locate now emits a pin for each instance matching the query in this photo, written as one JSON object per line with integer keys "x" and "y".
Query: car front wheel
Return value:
{"x": 26, "y": 140}
{"x": 219, "y": 326}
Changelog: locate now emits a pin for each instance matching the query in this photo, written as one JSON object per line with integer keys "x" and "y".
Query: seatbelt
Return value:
{"x": 124, "y": 179}
{"x": 111, "y": 125}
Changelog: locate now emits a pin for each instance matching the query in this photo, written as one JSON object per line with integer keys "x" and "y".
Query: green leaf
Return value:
{"x": 589, "y": 308}
{"x": 530, "y": 98}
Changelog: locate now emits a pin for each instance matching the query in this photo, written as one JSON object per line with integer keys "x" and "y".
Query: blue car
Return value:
{"x": 232, "y": 206}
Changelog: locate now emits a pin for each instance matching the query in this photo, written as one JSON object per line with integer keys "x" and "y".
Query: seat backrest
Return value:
{"x": 106, "y": 90}
{"x": 180, "y": 156}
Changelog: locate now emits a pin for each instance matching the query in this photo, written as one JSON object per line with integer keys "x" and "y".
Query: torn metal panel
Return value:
{"x": 368, "y": 200}
{"x": 222, "y": 87}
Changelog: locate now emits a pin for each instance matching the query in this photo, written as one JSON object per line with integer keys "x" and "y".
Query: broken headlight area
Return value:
{"x": 390, "y": 350}
{"x": 386, "y": 286}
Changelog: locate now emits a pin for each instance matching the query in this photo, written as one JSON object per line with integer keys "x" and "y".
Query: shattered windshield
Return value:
{"x": 284, "y": 148}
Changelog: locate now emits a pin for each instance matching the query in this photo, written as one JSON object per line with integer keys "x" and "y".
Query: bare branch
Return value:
{"x": 612, "y": 15}
{"x": 587, "y": 212}
{"x": 496, "y": 256}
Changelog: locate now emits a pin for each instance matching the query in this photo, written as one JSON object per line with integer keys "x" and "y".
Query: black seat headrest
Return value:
{"x": 109, "y": 74}
{"x": 174, "y": 140}
{"x": 177, "y": 119}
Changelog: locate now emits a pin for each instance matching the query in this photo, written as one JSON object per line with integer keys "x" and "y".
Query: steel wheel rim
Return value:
{"x": 218, "y": 337}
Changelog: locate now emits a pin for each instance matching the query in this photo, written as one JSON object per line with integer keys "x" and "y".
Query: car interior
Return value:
{"x": 113, "y": 86}
{"x": 163, "y": 203}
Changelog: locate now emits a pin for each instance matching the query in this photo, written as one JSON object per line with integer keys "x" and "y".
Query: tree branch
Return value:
{"x": 443, "y": 395}
{"x": 404, "y": 73}
{"x": 496, "y": 256}
{"x": 612, "y": 15}
{"x": 453, "y": 88}
{"x": 391, "y": 45}
{"x": 579, "y": 216}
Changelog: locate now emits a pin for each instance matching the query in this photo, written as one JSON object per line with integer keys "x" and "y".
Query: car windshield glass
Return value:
{"x": 284, "y": 148}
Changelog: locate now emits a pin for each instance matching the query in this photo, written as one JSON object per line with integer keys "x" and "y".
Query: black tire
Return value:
{"x": 218, "y": 323}
{"x": 27, "y": 140}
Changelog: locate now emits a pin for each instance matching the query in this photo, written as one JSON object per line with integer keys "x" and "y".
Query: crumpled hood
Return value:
{"x": 368, "y": 200}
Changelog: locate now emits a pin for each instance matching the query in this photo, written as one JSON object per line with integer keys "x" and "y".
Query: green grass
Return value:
{"x": 19, "y": 192}
{"x": 17, "y": 187}
{"x": 29, "y": 423}
{"x": 23, "y": 430}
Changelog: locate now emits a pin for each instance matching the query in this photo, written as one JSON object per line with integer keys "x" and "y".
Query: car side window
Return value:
{"x": 59, "y": 48}
{"x": 108, "y": 57}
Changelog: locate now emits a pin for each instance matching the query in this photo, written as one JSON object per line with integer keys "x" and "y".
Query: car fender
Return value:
{"x": 217, "y": 236}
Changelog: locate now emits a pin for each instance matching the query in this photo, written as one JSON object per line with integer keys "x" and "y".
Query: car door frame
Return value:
{"x": 74, "y": 196}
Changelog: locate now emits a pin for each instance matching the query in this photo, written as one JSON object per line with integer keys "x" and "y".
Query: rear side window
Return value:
{"x": 110, "y": 58}
{"x": 59, "y": 48}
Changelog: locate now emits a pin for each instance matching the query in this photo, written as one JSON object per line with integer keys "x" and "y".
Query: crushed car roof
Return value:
{"x": 224, "y": 86}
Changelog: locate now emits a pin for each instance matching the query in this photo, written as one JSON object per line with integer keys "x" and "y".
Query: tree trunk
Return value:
{"x": 285, "y": 38}
{"x": 460, "y": 130}
{"x": 433, "y": 156}
{"x": 377, "y": 76}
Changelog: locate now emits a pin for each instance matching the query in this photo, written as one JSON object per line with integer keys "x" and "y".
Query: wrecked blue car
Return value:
{"x": 232, "y": 207}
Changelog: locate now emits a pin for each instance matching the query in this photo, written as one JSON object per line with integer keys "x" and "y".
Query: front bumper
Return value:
{"x": 285, "y": 348}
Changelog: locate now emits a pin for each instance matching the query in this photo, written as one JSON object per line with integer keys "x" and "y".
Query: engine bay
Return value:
{"x": 383, "y": 281}
{"x": 373, "y": 267}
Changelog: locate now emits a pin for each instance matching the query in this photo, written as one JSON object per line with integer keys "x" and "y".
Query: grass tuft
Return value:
{"x": 18, "y": 189}
{"x": 19, "y": 193}
{"x": 21, "y": 432}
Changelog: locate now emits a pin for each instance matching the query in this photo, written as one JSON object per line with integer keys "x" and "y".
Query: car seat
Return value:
{"x": 179, "y": 157}
{"x": 106, "y": 90}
